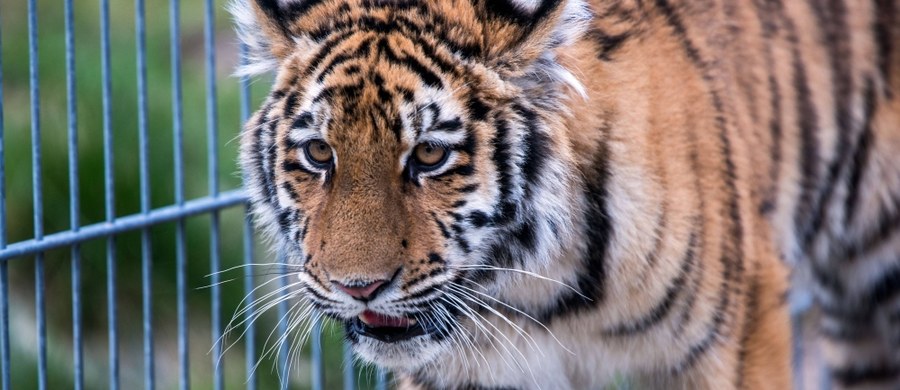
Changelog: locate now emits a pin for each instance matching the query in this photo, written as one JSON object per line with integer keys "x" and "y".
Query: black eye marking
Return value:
{"x": 450, "y": 126}
{"x": 303, "y": 121}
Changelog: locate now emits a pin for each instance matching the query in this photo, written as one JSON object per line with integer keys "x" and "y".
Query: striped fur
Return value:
{"x": 629, "y": 183}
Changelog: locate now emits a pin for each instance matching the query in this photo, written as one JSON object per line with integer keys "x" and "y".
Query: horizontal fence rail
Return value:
{"x": 123, "y": 224}
{"x": 144, "y": 342}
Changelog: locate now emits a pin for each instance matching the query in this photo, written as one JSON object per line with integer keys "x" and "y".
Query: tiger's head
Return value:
{"x": 407, "y": 150}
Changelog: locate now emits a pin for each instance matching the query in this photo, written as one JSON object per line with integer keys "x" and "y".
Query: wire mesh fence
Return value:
{"x": 93, "y": 332}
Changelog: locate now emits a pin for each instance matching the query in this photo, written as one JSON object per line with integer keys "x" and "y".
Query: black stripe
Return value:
{"x": 428, "y": 77}
{"x": 441, "y": 30}
{"x": 712, "y": 335}
{"x": 599, "y": 232}
{"x": 478, "y": 219}
{"x": 525, "y": 234}
{"x": 283, "y": 17}
{"x": 886, "y": 228}
{"x": 290, "y": 103}
{"x": 691, "y": 294}
{"x": 361, "y": 51}
{"x": 350, "y": 91}
{"x": 885, "y": 288}
{"x": 290, "y": 166}
{"x": 421, "y": 380}
{"x": 263, "y": 157}
{"x": 430, "y": 52}
{"x": 450, "y": 126}
{"x": 476, "y": 108}
{"x": 768, "y": 12}
{"x": 296, "y": 9}
{"x": 859, "y": 375}
{"x": 327, "y": 48}
{"x": 860, "y": 159}
{"x": 509, "y": 11}
{"x": 885, "y": 40}
{"x": 809, "y": 143}
{"x": 664, "y": 306}
{"x": 536, "y": 146}
{"x": 441, "y": 226}
{"x": 609, "y": 43}
{"x": 468, "y": 188}
{"x": 286, "y": 186}
{"x": 464, "y": 170}
{"x": 834, "y": 30}
{"x": 303, "y": 121}
{"x": 502, "y": 159}
{"x": 827, "y": 278}
{"x": 749, "y": 326}
{"x": 732, "y": 252}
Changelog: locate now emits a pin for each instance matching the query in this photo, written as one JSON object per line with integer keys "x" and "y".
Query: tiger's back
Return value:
{"x": 806, "y": 129}
{"x": 623, "y": 187}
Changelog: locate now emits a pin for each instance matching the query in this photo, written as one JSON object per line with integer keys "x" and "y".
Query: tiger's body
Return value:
{"x": 622, "y": 190}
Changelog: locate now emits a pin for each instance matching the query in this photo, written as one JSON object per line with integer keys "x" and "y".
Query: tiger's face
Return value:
{"x": 397, "y": 159}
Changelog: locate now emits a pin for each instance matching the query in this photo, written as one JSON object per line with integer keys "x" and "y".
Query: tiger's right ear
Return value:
{"x": 263, "y": 26}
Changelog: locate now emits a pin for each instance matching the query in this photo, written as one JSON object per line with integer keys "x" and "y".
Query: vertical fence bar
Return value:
{"x": 109, "y": 198}
{"x": 212, "y": 129}
{"x": 349, "y": 369}
{"x": 4, "y": 278}
{"x": 380, "y": 379}
{"x": 318, "y": 371}
{"x": 74, "y": 201}
{"x": 37, "y": 192}
{"x": 144, "y": 167}
{"x": 180, "y": 249}
{"x": 283, "y": 324}
{"x": 250, "y": 331}
{"x": 250, "y": 334}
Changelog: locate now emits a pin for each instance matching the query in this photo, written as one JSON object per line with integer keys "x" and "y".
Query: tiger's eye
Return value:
{"x": 319, "y": 152}
{"x": 429, "y": 154}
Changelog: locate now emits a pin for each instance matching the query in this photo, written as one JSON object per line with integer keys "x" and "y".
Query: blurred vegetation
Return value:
{"x": 17, "y": 141}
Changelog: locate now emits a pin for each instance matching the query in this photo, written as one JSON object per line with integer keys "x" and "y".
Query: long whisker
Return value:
{"x": 517, "y": 310}
{"x": 257, "y": 312}
{"x": 531, "y": 342}
{"x": 470, "y": 339}
{"x": 491, "y": 336}
{"x": 237, "y": 267}
{"x": 503, "y": 335}
{"x": 267, "y": 351}
{"x": 445, "y": 326}
{"x": 219, "y": 283}
{"x": 477, "y": 267}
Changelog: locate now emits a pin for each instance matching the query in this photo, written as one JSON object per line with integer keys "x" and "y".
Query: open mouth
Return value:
{"x": 385, "y": 328}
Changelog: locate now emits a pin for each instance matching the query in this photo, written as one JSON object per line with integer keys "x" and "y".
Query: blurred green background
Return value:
{"x": 17, "y": 138}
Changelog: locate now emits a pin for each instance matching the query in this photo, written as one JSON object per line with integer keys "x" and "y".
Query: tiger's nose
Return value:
{"x": 361, "y": 290}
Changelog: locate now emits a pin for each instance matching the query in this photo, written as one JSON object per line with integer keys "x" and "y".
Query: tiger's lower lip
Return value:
{"x": 384, "y": 333}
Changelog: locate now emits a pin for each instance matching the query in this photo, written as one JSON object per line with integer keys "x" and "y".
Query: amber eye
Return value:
{"x": 318, "y": 152}
{"x": 429, "y": 155}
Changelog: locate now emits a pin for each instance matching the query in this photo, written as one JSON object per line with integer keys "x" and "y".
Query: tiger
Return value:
{"x": 574, "y": 194}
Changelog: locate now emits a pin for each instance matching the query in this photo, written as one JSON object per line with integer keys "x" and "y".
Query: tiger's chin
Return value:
{"x": 397, "y": 348}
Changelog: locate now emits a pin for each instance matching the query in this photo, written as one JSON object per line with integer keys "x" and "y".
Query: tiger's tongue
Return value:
{"x": 376, "y": 320}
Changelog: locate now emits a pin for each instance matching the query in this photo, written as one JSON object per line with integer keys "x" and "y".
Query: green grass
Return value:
{"x": 17, "y": 140}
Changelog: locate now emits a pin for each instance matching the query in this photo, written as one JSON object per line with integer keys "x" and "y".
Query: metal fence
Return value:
{"x": 216, "y": 201}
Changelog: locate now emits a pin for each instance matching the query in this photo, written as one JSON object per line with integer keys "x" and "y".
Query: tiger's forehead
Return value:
{"x": 375, "y": 86}
{"x": 451, "y": 21}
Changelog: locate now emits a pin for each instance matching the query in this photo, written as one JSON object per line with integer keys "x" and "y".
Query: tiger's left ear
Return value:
{"x": 264, "y": 27}
{"x": 520, "y": 34}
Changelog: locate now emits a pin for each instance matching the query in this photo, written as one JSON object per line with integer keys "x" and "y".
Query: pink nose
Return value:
{"x": 362, "y": 291}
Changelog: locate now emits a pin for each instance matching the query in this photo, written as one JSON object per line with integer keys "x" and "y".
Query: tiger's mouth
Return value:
{"x": 385, "y": 328}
